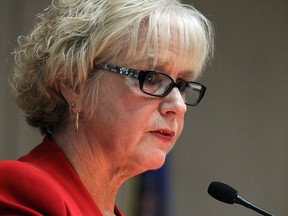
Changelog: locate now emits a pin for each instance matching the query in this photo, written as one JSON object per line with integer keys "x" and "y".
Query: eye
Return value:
{"x": 153, "y": 78}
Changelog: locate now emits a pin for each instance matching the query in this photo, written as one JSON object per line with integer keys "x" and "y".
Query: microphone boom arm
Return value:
{"x": 243, "y": 202}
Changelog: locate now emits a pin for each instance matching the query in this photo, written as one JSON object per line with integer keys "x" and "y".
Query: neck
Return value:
{"x": 97, "y": 173}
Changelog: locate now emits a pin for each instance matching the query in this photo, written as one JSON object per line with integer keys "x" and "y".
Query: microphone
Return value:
{"x": 227, "y": 194}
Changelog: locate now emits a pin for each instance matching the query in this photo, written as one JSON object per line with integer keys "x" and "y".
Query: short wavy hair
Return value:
{"x": 71, "y": 35}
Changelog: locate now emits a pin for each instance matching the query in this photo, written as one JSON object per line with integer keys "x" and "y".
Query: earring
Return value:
{"x": 73, "y": 104}
{"x": 77, "y": 122}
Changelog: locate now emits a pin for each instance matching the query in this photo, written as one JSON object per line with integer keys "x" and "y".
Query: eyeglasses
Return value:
{"x": 159, "y": 84}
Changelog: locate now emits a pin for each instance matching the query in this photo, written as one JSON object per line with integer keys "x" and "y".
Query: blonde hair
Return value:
{"x": 71, "y": 35}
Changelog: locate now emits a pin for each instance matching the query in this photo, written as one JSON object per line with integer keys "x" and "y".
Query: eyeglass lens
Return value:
{"x": 159, "y": 84}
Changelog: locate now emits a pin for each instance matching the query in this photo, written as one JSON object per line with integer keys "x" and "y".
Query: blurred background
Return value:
{"x": 238, "y": 134}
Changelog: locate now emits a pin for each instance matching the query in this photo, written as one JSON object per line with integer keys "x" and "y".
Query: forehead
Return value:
{"x": 170, "y": 54}
{"x": 168, "y": 61}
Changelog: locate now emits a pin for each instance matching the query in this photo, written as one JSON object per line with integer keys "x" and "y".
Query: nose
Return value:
{"x": 173, "y": 103}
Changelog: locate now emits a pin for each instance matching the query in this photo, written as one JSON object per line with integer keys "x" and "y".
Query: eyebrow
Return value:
{"x": 187, "y": 75}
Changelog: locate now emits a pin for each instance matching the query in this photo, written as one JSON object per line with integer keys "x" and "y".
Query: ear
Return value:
{"x": 72, "y": 96}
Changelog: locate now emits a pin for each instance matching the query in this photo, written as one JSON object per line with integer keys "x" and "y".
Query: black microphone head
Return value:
{"x": 222, "y": 192}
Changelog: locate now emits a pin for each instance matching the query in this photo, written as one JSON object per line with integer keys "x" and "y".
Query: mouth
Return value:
{"x": 165, "y": 133}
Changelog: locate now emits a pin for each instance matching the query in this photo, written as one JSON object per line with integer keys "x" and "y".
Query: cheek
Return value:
{"x": 180, "y": 125}
{"x": 123, "y": 114}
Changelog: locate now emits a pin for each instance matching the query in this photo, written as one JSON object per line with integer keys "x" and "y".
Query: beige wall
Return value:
{"x": 238, "y": 134}
{"x": 16, "y": 17}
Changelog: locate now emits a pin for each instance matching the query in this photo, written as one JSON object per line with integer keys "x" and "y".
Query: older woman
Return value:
{"x": 108, "y": 84}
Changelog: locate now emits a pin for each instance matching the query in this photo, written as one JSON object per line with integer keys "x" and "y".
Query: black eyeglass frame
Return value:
{"x": 140, "y": 75}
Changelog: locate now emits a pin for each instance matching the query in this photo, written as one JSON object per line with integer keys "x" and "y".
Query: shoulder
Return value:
{"x": 15, "y": 172}
{"x": 26, "y": 187}
{"x": 14, "y": 167}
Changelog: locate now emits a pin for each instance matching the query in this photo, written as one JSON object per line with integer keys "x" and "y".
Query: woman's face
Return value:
{"x": 132, "y": 129}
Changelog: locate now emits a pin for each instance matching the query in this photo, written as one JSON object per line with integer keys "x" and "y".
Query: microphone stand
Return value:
{"x": 242, "y": 201}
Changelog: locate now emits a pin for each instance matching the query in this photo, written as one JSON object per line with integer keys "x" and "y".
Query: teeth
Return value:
{"x": 162, "y": 132}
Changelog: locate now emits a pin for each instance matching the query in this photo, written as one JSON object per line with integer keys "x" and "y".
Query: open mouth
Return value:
{"x": 163, "y": 133}
{"x": 166, "y": 133}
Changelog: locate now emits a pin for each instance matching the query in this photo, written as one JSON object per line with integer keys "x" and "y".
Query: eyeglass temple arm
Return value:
{"x": 117, "y": 69}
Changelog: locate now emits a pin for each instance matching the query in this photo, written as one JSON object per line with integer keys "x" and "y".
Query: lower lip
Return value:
{"x": 163, "y": 137}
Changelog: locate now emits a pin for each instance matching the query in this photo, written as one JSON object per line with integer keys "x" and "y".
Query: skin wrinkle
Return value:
{"x": 91, "y": 181}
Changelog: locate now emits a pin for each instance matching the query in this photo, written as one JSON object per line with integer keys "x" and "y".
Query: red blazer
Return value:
{"x": 43, "y": 182}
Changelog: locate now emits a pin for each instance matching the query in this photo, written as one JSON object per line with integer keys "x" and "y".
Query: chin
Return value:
{"x": 157, "y": 161}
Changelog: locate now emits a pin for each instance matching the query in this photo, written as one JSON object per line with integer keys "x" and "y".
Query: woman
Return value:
{"x": 108, "y": 84}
